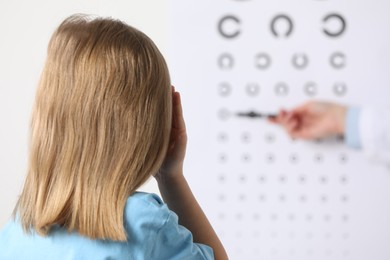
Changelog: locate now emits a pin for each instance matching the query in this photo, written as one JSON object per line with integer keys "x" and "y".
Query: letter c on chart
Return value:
{"x": 276, "y": 20}
{"x": 225, "y": 26}
{"x": 342, "y": 25}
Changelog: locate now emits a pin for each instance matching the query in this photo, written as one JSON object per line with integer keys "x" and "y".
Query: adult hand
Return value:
{"x": 173, "y": 163}
{"x": 313, "y": 120}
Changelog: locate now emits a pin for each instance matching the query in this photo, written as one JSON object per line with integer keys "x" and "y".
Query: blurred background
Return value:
{"x": 268, "y": 197}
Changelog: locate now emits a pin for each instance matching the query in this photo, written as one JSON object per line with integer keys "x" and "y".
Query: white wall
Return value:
{"x": 25, "y": 29}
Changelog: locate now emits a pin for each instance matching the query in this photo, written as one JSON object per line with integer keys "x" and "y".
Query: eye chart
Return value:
{"x": 270, "y": 197}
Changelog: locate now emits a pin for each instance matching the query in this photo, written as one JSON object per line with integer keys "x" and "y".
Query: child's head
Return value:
{"x": 100, "y": 127}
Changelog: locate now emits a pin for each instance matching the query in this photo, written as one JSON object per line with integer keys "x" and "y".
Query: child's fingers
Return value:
{"x": 178, "y": 122}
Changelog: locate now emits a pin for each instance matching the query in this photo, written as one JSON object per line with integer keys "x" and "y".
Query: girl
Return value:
{"x": 105, "y": 119}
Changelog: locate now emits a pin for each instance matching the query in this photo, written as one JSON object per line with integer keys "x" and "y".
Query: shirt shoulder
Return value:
{"x": 149, "y": 219}
{"x": 145, "y": 211}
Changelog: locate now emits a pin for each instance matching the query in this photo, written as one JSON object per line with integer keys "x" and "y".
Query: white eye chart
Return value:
{"x": 267, "y": 196}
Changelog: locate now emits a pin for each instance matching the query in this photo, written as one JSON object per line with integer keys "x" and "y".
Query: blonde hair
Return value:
{"x": 100, "y": 128}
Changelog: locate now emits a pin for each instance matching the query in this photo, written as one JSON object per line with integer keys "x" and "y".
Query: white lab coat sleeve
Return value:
{"x": 374, "y": 132}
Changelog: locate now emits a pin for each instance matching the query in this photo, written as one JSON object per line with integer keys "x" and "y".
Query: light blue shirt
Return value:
{"x": 352, "y": 135}
{"x": 153, "y": 233}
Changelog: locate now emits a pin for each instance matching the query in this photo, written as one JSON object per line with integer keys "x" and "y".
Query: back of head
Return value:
{"x": 100, "y": 127}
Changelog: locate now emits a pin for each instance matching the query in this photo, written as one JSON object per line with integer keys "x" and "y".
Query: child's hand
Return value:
{"x": 173, "y": 163}
{"x": 175, "y": 190}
